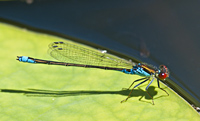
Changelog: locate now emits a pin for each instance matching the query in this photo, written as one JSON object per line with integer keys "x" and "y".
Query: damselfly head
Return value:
{"x": 163, "y": 72}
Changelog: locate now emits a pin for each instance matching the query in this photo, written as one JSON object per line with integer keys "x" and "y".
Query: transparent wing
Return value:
{"x": 80, "y": 54}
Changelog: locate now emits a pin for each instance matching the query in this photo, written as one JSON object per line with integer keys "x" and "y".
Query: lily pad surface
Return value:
{"x": 39, "y": 92}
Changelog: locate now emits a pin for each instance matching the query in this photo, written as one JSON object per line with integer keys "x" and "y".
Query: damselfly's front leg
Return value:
{"x": 161, "y": 88}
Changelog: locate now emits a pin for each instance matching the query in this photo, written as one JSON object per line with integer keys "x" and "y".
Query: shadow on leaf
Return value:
{"x": 51, "y": 93}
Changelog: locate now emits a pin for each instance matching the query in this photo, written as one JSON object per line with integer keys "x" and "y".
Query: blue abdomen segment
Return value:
{"x": 136, "y": 70}
{"x": 26, "y": 59}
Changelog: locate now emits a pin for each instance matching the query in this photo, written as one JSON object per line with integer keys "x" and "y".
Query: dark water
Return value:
{"x": 155, "y": 31}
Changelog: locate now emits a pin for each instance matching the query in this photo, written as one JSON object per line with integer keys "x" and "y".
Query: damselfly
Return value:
{"x": 74, "y": 55}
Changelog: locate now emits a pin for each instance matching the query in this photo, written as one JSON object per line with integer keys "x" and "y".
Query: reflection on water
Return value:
{"x": 144, "y": 52}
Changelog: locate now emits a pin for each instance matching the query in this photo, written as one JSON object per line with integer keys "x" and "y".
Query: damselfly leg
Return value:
{"x": 148, "y": 92}
{"x": 161, "y": 88}
{"x": 133, "y": 83}
{"x": 146, "y": 79}
{"x": 135, "y": 87}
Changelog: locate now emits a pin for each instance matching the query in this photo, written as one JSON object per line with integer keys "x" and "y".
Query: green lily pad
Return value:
{"x": 53, "y": 93}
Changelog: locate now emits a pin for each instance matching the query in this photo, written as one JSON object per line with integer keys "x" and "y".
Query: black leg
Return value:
{"x": 148, "y": 92}
{"x": 134, "y": 87}
{"x": 134, "y": 82}
{"x": 160, "y": 87}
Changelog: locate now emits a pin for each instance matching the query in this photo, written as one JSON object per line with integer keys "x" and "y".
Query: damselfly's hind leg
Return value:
{"x": 133, "y": 83}
{"x": 161, "y": 88}
{"x": 134, "y": 87}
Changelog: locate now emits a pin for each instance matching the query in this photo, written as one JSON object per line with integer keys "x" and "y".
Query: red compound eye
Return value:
{"x": 162, "y": 76}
